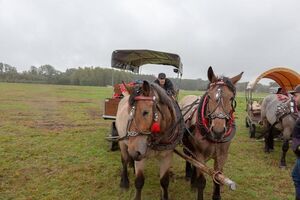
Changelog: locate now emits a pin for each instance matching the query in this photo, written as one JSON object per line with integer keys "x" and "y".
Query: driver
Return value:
{"x": 166, "y": 84}
{"x": 296, "y": 146}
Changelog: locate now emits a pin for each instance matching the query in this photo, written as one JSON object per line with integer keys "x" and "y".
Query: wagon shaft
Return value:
{"x": 217, "y": 176}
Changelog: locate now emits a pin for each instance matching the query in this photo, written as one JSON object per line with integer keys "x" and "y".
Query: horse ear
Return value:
{"x": 211, "y": 75}
{"x": 146, "y": 88}
{"x": 236, "y": 78}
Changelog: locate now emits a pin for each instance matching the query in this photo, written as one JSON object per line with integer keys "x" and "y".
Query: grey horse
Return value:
{"x": 278, "y": 112}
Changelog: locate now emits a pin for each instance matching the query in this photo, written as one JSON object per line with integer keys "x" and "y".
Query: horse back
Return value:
{"x": 122, "y": 116}
{"x": 184, "y": 104}
{"x": 269, "y": 106}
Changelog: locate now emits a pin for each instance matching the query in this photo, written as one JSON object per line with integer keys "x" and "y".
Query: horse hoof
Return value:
{"x": 124, "y": 184}
{"x": 216, "y": 198}
{"x": 267, "y": 150}
{"x": 193, "y": 188}
{"x": 283, "y": 167}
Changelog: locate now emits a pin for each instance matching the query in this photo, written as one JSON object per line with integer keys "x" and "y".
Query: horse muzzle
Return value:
{"x": 136, "y": 155}
{"x": 137, "y": 147}
{"x": 218, "y": 133}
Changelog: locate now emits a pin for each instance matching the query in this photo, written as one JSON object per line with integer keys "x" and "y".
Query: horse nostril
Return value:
{"x": 217, "y": 131}
{"x": 137, "y": 156}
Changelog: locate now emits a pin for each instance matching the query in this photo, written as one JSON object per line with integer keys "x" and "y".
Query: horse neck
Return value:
{"x": 167, "y": 118}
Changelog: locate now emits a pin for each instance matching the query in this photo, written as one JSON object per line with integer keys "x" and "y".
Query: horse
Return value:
{"x": 149, "y": 124}
{"x": 210, "y": 127}
{"x": 278, "y": 112}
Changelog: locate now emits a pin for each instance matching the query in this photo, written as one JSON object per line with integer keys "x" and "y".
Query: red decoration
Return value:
{"x": 155, "y": 128}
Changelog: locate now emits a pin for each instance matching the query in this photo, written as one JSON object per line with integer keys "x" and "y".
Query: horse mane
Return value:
{"x": 135, "y": 92}
{"x": 162, "y": 97}
{"x": 228, "y": 83}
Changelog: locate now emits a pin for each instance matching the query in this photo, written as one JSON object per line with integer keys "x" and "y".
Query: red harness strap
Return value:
{"x": 204, "y": 120}
{"x": 282, "y": 97}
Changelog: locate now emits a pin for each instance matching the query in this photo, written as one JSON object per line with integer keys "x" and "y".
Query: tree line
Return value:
{"x": 96, "y": 76}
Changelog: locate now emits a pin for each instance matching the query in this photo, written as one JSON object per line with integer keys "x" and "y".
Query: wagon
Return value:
{"x": 287, "y": 80}
{"x": 132, "y": 60}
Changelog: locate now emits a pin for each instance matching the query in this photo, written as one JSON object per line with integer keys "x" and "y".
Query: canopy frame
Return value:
{"x": 132, "y": 60}
{"x": 286, "y": 78}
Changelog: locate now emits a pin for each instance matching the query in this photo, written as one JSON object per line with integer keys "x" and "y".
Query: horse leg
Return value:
{"x": 140, "y": 179}
{"x": 285, "y": 148}
{"x": 266, "y": 129}
{"x": 188, "y": 170}
{"x": 124, "y": 183}
{"x": 271, "y": 139}
{"x": 131, "y": 164}
{"x": 165, "y": 164}
{"x": 201, "y": 182}
{"x": 193, "y": 177}
{"x": 221, "y": 157}
{"x": 188, "y": 166}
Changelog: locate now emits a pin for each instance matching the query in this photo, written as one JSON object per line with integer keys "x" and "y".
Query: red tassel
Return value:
{"x": 155, "y": 128}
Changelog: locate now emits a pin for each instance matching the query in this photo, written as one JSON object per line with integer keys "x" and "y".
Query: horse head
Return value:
{"x": 149, "y": 117}
{"x": 220, "y": 103}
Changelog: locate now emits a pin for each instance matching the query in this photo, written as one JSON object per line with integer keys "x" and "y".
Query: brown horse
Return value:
{"x": 149, "y": 123}
{"x": 211, "y": 127}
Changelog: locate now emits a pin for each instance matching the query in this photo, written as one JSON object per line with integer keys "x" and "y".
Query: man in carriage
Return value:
{"x": 165, "y": 83}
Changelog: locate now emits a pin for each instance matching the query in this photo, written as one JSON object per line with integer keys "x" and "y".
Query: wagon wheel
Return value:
{"x": 252, "y": 130}
{"x": 114, "y": 145}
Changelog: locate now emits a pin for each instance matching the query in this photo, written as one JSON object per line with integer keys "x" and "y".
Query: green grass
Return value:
{"x": 52, "y": 146}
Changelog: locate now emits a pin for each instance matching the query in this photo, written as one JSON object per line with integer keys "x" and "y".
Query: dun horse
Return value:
{"x": 211, "y": 127}
{"x": 280, "y": 112}
{"x": 149, "y": 124}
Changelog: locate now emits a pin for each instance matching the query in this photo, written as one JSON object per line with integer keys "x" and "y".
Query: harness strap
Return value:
{"x": 202, "y": 121}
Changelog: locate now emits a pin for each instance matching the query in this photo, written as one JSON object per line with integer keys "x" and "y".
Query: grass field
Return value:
{"x": 52, "y": 146}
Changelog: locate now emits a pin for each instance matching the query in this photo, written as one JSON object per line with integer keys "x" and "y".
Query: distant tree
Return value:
{"x": 1, "y": 68}
{"x": 33, "y": 70}
{"x": 97, "y": 76}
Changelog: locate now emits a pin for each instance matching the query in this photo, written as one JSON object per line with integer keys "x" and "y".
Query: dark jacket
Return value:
{"x": 168, "y": 86}
{"x": 296, "y": 138}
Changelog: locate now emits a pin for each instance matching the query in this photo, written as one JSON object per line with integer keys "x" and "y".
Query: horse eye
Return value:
{"x": 145, "y": 113}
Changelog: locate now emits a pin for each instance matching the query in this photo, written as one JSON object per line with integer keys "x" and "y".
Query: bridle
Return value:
{"x": 205, "y": 116}
{"x": 220, "y": 103}
{"x": 157, "y": 139}
{"x": 132, "y": 114}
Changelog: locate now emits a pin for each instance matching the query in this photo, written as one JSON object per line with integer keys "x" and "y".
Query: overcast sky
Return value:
{"x": 230, "y": 35}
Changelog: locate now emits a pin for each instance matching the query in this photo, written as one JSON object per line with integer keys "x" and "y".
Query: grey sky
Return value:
{"x": 230, "y": 35}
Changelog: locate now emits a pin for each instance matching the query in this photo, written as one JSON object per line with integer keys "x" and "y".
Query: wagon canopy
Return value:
{"x": 132, "y": 59}
{"x": 284, "y": 77}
